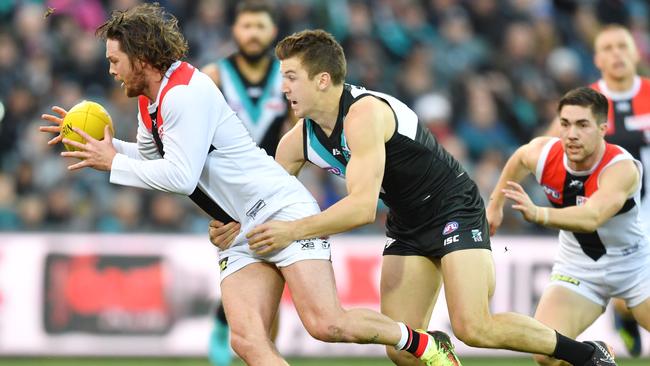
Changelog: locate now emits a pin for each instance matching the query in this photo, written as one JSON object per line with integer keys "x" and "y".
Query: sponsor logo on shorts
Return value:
{"x": 629, "y": 250}
{"x": 565, "y": 278}
{"x": 477, "y": 235}
{"x": 450, "y": 228}
{"x": 255, "y": 209}
{"x": 306, "y": 244}
{"x": 451, "y": 240}
{"x": 389, "y": 242}
{"x": 325, "y": 244}
{"x": 223, "y": 264}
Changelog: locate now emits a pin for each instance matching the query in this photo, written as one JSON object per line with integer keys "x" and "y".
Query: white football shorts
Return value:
{"x": 235, "y": 258}
{"x": 623, "y": 276}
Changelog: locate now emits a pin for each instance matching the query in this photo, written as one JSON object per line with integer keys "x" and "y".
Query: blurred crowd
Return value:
{"x": 483, "y": 75}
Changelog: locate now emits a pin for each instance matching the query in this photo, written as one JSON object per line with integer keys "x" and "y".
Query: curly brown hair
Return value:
{"x": 148, "y": 33}
{"x": 318, "y": 52}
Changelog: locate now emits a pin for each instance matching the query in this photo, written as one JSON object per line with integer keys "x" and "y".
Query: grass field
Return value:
{"x": 294, "y": 362}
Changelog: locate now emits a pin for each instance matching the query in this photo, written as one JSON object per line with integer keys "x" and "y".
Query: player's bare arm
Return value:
{"x": 290, "y": 153}
{"x": 212, "y": 70}
{"x": 520, "y": 164}
{"x": 367, "y": 126}
{"x": 617, "y": 183}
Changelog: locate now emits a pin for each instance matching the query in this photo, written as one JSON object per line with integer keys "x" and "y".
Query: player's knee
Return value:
{"x": 246, "y": 344}
{"x": 325, "y": 329}
{"x": 471, "y": 332}
{"x": 543, "y": 360}
{"x": 240, "y": 344}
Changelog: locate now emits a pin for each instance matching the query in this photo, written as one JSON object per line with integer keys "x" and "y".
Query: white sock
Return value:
{"x": 405, "y": 336}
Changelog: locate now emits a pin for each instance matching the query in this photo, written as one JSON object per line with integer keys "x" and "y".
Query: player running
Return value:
{"x": 594, "y": 188}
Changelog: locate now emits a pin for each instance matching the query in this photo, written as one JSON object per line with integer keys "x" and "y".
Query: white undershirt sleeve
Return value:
{"x": 129, "y": 149}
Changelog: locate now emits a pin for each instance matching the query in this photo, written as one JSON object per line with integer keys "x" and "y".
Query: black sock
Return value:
{"x": 572, "y": 351}
{"x": 416, "y": 342}
{"x": 221, "y": 314}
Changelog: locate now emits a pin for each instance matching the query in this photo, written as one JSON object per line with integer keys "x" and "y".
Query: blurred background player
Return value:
{"x": 617, "y": 56}
{"x": 219, "y": 348}
{"x": 219, "y": 352}
{"x": 250, "y": 78}
{"x": 628, "y": 125}
{"x": 594, "y": 188}
{"x": 250, "y": 81}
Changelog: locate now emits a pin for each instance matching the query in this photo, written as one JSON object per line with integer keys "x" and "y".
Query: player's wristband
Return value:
{"x": 544, "y": 219}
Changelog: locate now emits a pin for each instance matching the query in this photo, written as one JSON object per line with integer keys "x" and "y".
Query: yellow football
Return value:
{"x": 89, "y": 117}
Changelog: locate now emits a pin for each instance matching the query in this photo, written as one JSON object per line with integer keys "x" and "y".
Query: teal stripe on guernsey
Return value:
{"x": 320, "y": 150}
{"x": 249, "y": 106}
{"x": 274, "y": 72}
{"x": 344, "y": 147}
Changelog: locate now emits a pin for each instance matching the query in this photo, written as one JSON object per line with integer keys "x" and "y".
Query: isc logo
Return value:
{"x": 450, "y": 240}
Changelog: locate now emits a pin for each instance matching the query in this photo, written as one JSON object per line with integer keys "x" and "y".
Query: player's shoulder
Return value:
{"x": 616, "y": 153}
{"x": 212, "y": 71}
{"x": 296, "y": 132}
{"x": 623, "y": 172}
{"x": 645, "y": 86}
{"x": 541, "y": 141}
{"x": 532, "y": 151}
{"x": 367, "y": 107}
{"x": 200, "y": 89}
{"x": 212, "y": 67}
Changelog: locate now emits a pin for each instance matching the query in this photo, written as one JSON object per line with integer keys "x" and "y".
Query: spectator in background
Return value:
{"x": 481, "y": 127}
{"x": 31, "y": 213}
{"x": 124, "y": 213}
{"x": 166, "y": 213}
{"x": 19, "y": 108}
{"x": 434, "y": 110}
{"x": 60, "y": 212}
{"x": 10, "y": 71}
{"x": 518, "y": 38}
{"x": 8, "y": 215}
{"x": 208, "y": 32}
{"x": 417, "y": 77}
{"x": 457, "y": 49}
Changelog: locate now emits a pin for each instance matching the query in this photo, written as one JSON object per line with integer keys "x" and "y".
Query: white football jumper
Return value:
{"x": 623, "y": 271}
{"x": 207, "y": 148}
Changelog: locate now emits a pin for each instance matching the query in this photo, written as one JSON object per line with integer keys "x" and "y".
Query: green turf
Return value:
{"x": 293, "y": 362}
